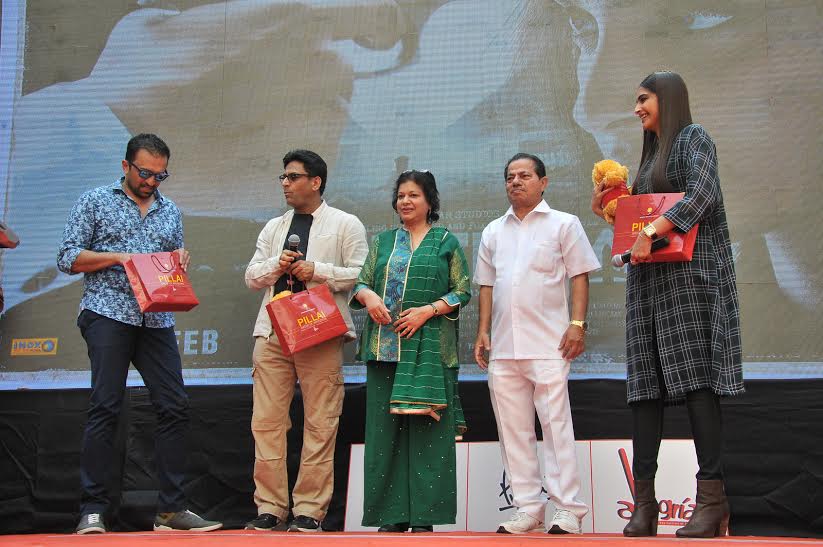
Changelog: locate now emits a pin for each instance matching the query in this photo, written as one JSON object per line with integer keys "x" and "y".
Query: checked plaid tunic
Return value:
{"x": 684, "y": 317}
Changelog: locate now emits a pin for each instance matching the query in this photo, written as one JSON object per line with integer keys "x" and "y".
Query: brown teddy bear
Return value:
{"x": 614, "y": 176}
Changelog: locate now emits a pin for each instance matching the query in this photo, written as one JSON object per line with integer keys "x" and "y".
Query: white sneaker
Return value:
{"x": 564, "y": 522}
{"x": 520, "y": 523}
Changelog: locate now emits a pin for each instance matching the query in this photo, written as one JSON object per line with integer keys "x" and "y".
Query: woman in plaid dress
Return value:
{"x": 682, "y": 318}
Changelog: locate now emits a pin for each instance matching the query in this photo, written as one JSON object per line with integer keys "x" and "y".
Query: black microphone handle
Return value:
{"x": 656, "y": 244}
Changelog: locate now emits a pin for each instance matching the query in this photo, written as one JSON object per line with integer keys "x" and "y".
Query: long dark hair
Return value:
{"x": 674, "y": 115}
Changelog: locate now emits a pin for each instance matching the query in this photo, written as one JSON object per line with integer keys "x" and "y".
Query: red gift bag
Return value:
{"x": 159, "y": 283}
{"x": 635, "y": 212}
{"x": 305, "y": 319}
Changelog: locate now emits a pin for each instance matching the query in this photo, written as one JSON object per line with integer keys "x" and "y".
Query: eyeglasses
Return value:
{"x": 410, "y": 171}
{"x": 293, "y": 177}
{"x": 145, "y": 174}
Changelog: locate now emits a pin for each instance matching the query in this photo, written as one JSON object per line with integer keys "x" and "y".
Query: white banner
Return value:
{"x": 611, "y": 474}
{"x": 484, "y": 497}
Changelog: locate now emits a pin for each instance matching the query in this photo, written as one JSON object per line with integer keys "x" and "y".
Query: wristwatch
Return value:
{"x": 582, "y": 324}
{"x": 650, "y": 231}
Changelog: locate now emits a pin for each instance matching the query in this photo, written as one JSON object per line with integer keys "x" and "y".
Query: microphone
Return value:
{"x": 619, "y": 260}
{"x": 294, "y": 242}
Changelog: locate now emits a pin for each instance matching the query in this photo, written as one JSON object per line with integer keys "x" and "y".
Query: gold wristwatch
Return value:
{"x": 650, "y": 231}
{"x": 582, "y": 324}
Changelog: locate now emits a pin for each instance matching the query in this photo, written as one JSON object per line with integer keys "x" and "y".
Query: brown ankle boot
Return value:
{"x": 644, "y": 517}
{"x": 711, "y": 514}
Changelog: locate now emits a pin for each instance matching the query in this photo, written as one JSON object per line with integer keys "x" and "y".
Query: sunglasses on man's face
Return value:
{"x": 145, "y": 174}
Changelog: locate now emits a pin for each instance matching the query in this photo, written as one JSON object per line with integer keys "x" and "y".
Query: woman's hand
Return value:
{"x": 597, "y": 195}
{"x": 412, "y": 319}
{"x": 642, "y": 249}
{"x": 377, "y": 310}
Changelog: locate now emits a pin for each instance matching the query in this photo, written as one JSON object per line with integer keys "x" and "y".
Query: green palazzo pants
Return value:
{"x": 410, "y": 464}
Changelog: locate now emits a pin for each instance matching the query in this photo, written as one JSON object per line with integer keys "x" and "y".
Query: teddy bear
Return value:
{"x": 614, "y": 176}
{"x": 281, "y": 294}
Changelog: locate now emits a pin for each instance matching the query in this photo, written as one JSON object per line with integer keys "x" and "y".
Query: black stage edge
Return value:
{"x": 774, "y": 447}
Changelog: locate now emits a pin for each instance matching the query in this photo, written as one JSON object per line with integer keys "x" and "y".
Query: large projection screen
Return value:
{"x": 380, "y": 86}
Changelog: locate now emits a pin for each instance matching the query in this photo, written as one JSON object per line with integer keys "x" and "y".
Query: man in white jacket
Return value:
{"x": 332, "y": 250}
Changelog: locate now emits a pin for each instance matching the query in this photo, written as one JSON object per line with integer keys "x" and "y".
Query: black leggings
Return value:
{"x": 705, "y": 419}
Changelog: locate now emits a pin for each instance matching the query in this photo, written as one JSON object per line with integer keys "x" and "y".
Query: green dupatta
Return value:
{"x": 419, "y": 382}
{"x": 431, "y": 280}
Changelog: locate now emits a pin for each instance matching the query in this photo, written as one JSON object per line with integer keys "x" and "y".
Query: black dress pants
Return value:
{"x": 112, "y": 345}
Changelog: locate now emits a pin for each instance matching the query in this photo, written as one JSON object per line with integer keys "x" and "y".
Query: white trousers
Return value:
{"x": 518, "y": 388}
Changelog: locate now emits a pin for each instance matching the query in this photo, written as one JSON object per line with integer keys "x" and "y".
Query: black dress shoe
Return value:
{"x": 394, "y": 528}
{"x": 422, "y": 529}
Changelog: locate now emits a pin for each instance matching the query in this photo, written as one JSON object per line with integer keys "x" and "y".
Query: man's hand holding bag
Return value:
{"x": 160, "y": 283}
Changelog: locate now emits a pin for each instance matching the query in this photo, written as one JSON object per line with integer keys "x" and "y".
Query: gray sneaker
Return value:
{"x": 184, "y": 521}
{"x": 91, "y": 524}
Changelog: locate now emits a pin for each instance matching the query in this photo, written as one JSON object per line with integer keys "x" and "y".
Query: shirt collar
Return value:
{"x": 118, "y": 186}
{"x": 317, "y": 212}
{"x": 541, "y": 207}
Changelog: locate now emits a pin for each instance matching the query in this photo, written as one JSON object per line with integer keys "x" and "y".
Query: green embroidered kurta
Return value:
{"x": 436, "y": 270}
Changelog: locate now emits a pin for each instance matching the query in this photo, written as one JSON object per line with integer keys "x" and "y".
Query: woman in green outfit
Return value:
{"x": 413, "y": 284}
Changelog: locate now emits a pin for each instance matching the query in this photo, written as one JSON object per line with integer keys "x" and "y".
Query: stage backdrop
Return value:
{"x": 380, "y": 86}
{"x": 484, "y": 492}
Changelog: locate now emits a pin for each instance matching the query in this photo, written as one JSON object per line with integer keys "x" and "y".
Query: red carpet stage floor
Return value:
{"x": 240, "y": 538}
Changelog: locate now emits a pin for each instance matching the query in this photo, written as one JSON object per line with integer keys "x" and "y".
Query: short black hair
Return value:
{"x": 425, "y": 180}
{"x": 148, "y": 142}
{"x": 313, "y": 163}
{"x": 539, "y": 166}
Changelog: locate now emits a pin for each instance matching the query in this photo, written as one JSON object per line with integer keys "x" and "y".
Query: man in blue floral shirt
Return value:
{"x": 105, "y": 227}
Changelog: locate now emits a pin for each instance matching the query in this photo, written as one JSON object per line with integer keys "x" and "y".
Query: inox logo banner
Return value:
{"x": 33, "y": 346}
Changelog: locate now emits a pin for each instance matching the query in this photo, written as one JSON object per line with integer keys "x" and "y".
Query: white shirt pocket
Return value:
{"x": 546, "y": 258}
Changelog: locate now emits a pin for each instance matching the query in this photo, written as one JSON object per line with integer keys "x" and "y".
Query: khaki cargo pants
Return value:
{"x": 274, "y": 375}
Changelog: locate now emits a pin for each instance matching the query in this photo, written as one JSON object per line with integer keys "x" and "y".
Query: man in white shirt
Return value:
{"x": 524, "y": 259}
{"x": 332, "y": 250}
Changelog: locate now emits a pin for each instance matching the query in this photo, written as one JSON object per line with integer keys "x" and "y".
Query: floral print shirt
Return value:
{"x": 105, "y": 219}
